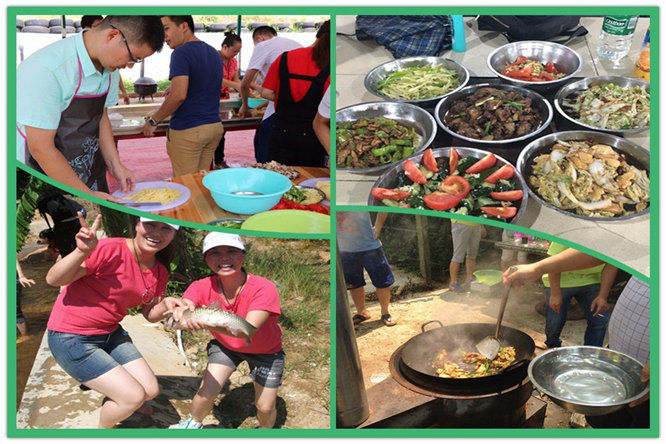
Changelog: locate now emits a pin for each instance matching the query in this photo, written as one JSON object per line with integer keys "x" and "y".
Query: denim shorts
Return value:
{"x": 374, "y": 261}
{"x": 265, "y": 369}
{"x": 85, "y": 357}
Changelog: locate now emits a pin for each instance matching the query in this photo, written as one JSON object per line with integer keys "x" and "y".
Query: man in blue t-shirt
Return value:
{"x": 193, "y": 102}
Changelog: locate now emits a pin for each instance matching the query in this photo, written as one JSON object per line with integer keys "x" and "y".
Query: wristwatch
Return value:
{"x": 152, "y": 121}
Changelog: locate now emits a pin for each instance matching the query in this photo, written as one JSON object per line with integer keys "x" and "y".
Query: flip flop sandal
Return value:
{"x": 358, "y": 318}
{"x": 388, "y": 320}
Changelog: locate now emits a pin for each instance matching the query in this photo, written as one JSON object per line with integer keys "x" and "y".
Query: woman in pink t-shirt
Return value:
{"x": 231, "y": 46}
{"x": 256, "y": 300}
{"x": 102, "y": 280}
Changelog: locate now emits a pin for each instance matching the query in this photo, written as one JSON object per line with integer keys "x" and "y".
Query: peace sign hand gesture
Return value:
{"x": 86, "y": 238}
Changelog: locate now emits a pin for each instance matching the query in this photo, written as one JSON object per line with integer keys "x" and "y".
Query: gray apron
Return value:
{"x": 77, "y": 138}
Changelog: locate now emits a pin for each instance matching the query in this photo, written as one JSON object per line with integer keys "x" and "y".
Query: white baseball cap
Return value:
{"x": 216, "y": 239}
{"x": 145, "y": 219}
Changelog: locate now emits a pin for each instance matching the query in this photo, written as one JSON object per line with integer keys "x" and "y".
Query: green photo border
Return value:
{"x": 12, "y": 165}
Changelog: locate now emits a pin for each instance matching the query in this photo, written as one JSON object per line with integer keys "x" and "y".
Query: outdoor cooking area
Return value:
{"x": 404, "y": 370}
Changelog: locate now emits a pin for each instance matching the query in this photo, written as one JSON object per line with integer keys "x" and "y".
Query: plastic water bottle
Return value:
{"x": 617, "y": 31}
{"x": 458, "y": 44}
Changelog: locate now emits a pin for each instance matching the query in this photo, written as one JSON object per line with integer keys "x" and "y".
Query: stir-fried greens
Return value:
{"x": 417, "y": 83}
{"x": 369, "y": 142}
{"x": 611, "y": 106}
{"x": 465, "y": 185}
{"x": 590, "y": 179}
{"x": 476, "y": 365}
{"x": 493, "y": 114}
{"x": 529, "y": 70}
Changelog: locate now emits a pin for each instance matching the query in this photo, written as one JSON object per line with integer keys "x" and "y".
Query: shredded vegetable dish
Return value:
{"x": 369, "y": 142}
{"x": 474, "y": 365}
{"x": 417, "y": 83}
{"x": 529, "y": 70}
{"x": 611, "y": 106}
{"x": 590, "y": 179}
{"x": 476, "y": 187}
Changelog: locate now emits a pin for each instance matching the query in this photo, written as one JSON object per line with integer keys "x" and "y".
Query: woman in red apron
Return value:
{"x": 231, "y": 46}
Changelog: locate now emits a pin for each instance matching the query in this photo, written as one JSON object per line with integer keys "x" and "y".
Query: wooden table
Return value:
{"x": 532, "y": 247}
{"x": 201, "y": 208}
{"x": 137, "y": 112}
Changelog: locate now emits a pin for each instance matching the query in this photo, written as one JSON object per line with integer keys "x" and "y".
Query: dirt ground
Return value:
{"x": 411, "y": 309}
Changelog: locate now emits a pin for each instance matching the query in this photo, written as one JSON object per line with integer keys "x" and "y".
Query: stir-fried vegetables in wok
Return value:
{"x": 529, "y": 70}
{"x": 474, "y": 365}
{"x": 611, "y": 106}
{"x": 374, "y": 141}
{"x": 419, "y": 82}
{"x": 467, "y": 185}
{"x": 590, "y": 179}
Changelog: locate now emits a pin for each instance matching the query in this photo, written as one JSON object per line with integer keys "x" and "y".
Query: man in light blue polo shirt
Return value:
{"x": 63, "y": 92}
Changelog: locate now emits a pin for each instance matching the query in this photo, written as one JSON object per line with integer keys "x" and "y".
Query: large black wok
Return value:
{"x": 419, "y": 353}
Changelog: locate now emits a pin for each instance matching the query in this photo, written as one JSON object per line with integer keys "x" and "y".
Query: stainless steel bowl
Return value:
{"x": 404, "y": 113}
{"x": 382, "y": 71}
{"x": 583, "y": 85}
{"x": 539, "y": 103}
{"x": 588, "y": 380}
{"x": 636, "y": 155}
{"x": 390, "y": 178}
{"x": 565, "y": 59}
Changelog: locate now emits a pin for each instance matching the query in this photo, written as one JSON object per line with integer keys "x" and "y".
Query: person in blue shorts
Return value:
{"x": 361, "y": 249}
{"x": 193, "y": 102}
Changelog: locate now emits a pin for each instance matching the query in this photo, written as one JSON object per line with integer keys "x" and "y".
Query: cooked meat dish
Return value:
{"x": 493, "y": 114}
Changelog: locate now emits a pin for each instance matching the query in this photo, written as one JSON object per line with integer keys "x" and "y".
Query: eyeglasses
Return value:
{"x": 134, "y": 60}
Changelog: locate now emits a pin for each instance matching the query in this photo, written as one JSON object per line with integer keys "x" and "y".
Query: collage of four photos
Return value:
{"x": 351, "y": 222}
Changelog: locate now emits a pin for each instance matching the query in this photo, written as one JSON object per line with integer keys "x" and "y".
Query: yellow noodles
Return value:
{"x": 162, "y": 195}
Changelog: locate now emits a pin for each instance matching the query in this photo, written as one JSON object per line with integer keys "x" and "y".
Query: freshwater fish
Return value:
{"x": 217, "y": 318}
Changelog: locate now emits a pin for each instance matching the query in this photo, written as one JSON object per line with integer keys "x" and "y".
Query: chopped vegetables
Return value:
{"x": 611, "y": 106}
{"x": 590, "y": 179}
{"x": 370, "y": 142}
{"x": 419, "y": 82}
{"x": 455, "y": 191}
{"x": 529, "y": 70}
{"x": 473, "y": 365}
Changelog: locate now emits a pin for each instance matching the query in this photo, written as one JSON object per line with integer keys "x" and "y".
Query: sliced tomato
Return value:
{"x": 506, "y": 172}
{"x": 390, "y": 194}
{"x": 412, "y": 171}
{"x": 482, "y": 164}
{"x": 509, "y": 196}
{"x": 453, "y": 160}
{"x": 429, "y": 161}
{"x": 456, "y": 185}
{"x": 503, "y": 212}
{"x": 550, "y": 67}
{"x": 441, "y": 201}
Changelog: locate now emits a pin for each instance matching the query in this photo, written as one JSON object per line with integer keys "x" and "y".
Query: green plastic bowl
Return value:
{"x": 488, "y": 277}
{"x": 289, "y": 221}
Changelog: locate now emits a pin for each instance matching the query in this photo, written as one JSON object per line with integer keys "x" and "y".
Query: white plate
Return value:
{"x": 313, "y": 182}
{"x": 184, "y": 196}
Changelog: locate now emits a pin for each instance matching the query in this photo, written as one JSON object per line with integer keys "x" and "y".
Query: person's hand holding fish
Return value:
{"x": 172, "y": 304}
